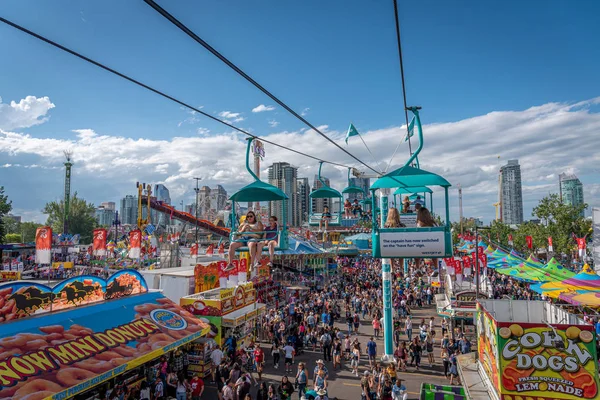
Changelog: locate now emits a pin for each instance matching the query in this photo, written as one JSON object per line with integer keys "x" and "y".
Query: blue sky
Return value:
{"x": 336, "y": 60}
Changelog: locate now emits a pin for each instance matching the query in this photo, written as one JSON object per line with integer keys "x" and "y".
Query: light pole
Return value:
{"x": 197, "y": 190}
{"x": 477, "y": 260}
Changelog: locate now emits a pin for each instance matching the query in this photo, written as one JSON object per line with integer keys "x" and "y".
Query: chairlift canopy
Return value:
{"x": 325, "y": 193}
{"x": 408, "y": 176}
{"x": 258, "y": 191}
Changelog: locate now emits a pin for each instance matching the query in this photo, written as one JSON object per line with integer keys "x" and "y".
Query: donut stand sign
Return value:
{"x": 547, "y": 362}
{"x": 60, "y": 355}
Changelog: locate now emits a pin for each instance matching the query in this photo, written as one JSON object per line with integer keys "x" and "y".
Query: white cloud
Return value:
{"x": 546, "y": 139}
{"x": 27, "y": 112}
{"x": 262, "y": 108}
{"x": 202, "y": 131}
{"x": 305, "y": 111}
{"x": 273, "y": 123}
{"x": 229, "y": 114}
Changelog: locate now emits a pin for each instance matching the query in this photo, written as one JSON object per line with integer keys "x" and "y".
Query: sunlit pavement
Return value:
{"x": 345, "y": 386}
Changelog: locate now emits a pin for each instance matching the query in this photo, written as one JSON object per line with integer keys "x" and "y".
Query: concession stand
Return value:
{"x": 229, "y": 312}
{"x": 531, "y": 350}
{"x": 85, "y": 335}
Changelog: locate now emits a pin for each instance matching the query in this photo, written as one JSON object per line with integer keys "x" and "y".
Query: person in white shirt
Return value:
{"x": 289, "y": 354}
{"x": 215, "y": 357}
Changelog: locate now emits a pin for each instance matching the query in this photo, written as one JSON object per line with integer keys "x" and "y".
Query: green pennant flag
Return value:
{"x": 351, "y": 132}
{"x": 411, "y": 129}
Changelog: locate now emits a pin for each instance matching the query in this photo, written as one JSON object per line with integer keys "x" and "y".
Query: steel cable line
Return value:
{"x": 132, "y": 80}
{"x": 403, "y": 84}
{"x": 230, "y": 64}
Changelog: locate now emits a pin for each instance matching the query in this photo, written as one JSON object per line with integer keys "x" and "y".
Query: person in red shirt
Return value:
{"x": 197, "y": 386}
{"x": 259, "y": 360}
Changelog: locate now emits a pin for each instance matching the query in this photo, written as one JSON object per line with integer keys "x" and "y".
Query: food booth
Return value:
{"x": 533, "y": 349}
{"x": 106, "y": 330}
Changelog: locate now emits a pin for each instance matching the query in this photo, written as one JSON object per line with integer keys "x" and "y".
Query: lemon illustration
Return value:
{"x": 586, "y": 336}
{"x": 572, "y": 332}
{"x": 504, "y": 333}
{"x": 516, "y": 330}
{"x": 543, "y": 386}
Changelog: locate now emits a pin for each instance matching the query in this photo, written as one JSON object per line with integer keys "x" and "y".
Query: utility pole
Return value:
{"x": 460, "y": 209}
{"x": 197, "y": 190}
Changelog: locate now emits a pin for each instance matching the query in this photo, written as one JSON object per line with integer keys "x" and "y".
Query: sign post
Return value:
{"x": 386, "y": 278}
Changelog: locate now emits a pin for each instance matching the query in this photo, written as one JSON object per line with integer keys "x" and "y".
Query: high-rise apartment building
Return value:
{"x": 162, "y": 194}
{"x": 218, "y": 198}
{"x": 364, "y": 184}
{"x": 511, "y": 194}
{"x": 105, "y": 214}
{"x": 317, "y": 205}
{"x": 129, "y": 210}
{"x": 303, "y": 199}
{"x": 571, "y": 190}
{"x": 211, "y": 201}
{"x": 285, "y": 177}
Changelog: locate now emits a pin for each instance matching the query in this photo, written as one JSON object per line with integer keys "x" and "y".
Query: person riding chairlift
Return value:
{"x": 347, "y": 209}
{"x": 270, "y": 241}
{"x": 250, "y": 239}
{"x": 325, "y": 218}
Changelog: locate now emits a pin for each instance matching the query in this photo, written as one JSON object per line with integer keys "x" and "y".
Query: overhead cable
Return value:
{"x": 160, "y": 93}
{"x": 230, "y": 64}
{"x": 403, "y": 84}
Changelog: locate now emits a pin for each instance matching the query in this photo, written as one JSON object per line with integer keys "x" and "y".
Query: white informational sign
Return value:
{"x": 596, "y": 237}
{"x": 409, "y": 220}
{"x": 412, "y": 244}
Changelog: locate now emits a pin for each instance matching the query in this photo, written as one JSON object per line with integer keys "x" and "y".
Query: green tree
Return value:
{"x": 561, "y": 221}
{"x": 5, "y": 207}
{"x": 28, "y": 230}
{"x": 499, "y": 233}
{"x": 12, "y": 238}
{"x": 11, "y": 225}
{"x": 81, "y": 217}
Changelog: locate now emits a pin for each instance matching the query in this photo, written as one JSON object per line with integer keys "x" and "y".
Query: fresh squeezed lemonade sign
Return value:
{"x": 544, "y": 363}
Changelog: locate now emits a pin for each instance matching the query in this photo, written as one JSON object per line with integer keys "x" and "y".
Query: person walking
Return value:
{"x": 301, "y": 379}
{"x": 408, "y": 327}
{"x": 371, "y": 351}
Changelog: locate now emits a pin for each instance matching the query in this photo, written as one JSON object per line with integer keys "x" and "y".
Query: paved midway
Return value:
{"x": 343, "y": 385}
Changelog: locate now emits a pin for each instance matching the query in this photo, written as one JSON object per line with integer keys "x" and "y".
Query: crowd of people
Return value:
{"x": 340, "y": 321}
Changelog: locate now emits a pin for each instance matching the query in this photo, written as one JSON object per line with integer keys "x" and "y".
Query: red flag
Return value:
{"x": 581, "y": 243}
{"x": 169, "y": 237}
{"x": 210, "y": 250}
{"x": 194, "y": 249}
{"x": 222, "y": 248}
{"x": 510, "y": 239}
{"x": 550, "y": 248}
{"x": 135, "y": 243}
{"x": 99, "y": 243}
{"x": 529, "y": 241}
{"x": 43, "y": 244}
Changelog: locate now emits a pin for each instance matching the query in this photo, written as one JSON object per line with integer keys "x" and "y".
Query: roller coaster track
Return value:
{"x": 186, "y": 217}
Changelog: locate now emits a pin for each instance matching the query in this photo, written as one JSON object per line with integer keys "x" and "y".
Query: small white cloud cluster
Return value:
{"x": 28, "y": 112}
{"x": 262, "y": 108}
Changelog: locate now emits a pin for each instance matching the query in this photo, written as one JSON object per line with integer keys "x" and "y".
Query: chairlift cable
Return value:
{"x": 403, "y": 85}
{"x": 230, "y": 64}
{"x": 150, "y": 88}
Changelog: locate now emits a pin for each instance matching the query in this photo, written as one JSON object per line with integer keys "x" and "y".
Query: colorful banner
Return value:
{"x": 487, "y": 346}
{"x": 63, "y": 354}
{"x": 99, "y": 244}
{"x": 43, "y": 244}
{"x": 62, "y": 265}
{"x": 206, "y": 277}
{"x": 10, "y": 275}
{"x": 550, "y": 244}
{"x": 135, "y": 244}
{"x": 510, "y": 239}
{"x": 194, "y": 250}
{"x": 529, "y": 241}
{"x": 33, "y": 298}
{"x": 547, "y": 362}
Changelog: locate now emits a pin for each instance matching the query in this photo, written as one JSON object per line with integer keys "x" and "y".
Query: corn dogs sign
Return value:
{"x": 546, "y": 363}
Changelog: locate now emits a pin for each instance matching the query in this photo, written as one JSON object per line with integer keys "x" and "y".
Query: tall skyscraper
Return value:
{"x": 203, "y": 201}
{"x": 571, "y": 190}
{"x": 129, "y": 210}
{"x": 162, "y": 194}
{"x": 285, "y": 177}
{"x": 218, "y": 198}
{"x": 303, "y": 199}
{"x": 511, "y": 194}
{"x": 317, "y": 205}
{"x": 364, "y": 184}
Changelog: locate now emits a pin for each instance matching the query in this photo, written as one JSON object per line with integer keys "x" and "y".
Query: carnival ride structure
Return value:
{"x": 425, "y": 242}
{"x": 185, "y": 216}
{"x": 326, "y": 192}
{"x": 258, "y": 191}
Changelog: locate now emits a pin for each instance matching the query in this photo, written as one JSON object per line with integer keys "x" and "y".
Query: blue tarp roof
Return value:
{"x": 298, "y": 246}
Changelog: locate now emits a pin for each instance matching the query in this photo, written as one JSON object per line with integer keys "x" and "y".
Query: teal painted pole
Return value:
{"x": 405, "y": 267}
{"x": 386, "y": 279}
